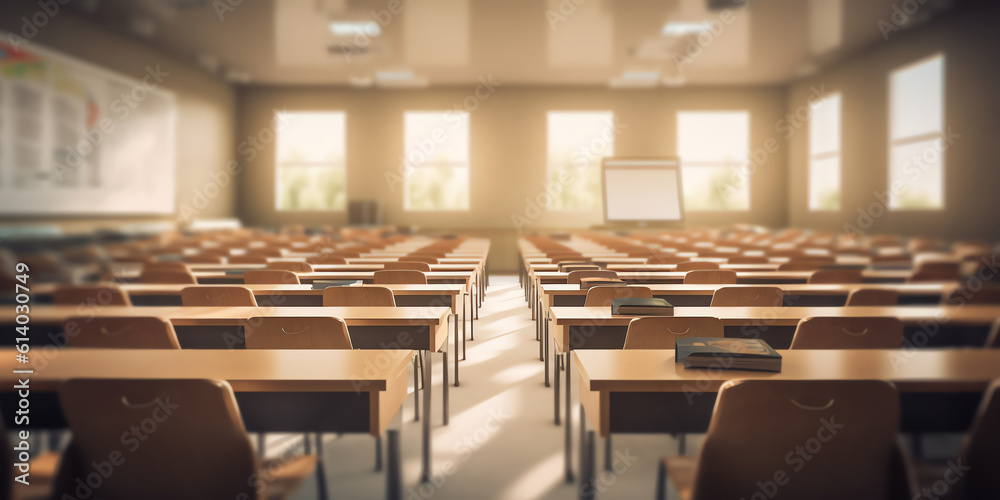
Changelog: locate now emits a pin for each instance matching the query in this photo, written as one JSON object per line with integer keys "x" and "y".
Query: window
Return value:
{"x": 824, "y": 154}
{"x": 714, "y": 148}
{"x": 577, "y": 140}
{"x": 916, "y": 140}
{"x": 437, "y": 160}
{"x": 311, "y": 160}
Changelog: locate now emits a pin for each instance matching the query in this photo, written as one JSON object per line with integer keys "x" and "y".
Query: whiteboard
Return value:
{"x": 642, "y": 190}
{"x": 78, "y": 139}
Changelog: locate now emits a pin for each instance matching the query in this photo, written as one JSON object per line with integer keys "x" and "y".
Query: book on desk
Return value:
{"x": 638, "y": 306}
{"x": 727, "y": 354}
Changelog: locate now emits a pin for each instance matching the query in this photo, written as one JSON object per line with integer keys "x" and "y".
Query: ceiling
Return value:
{"x": 413, "y": 43}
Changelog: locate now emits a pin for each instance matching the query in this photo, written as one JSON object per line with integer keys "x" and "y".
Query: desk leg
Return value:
{"x": 465, "y": 316}
{"x": 608, "y": 448}
{"x": 320, "y": 468}
{"x": 569, "y": 423}
{"x": 587, "y": 483}
{"x": 474, "y": 309}
{"x": 444, "y": 386}
{"x": 394, "y": 471}
{"x": 454, "y": 318}
{"x": 425, "y": 475}
{"x": 378, "y": 453}
{"x": 416, "y": 389}
{"x": 555, "y": 375}
{"x": 546, "y": 357}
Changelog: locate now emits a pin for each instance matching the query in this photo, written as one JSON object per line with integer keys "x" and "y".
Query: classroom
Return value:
{"x": 499, "y": 249}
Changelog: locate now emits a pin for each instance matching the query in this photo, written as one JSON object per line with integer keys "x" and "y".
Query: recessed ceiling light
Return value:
{"x": 355, "y": 28}
{"x": 681, "y": 28}
{"x": 394, "y": 75}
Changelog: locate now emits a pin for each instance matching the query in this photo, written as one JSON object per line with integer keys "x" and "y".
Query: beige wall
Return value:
{"x": 508, "y": 144}
{"x": 206, "y": 109}
{"x": 968, "y": 38}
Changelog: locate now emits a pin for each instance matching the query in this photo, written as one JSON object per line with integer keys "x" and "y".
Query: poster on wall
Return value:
{"x": 78, "y": 139}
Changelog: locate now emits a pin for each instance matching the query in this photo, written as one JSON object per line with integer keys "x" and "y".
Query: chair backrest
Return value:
{"x": 661, "y": 332}
{"x": 410, "y": 266}
{"x": 295, "y": 267}
{"x": 981, "y": 449}
{"x": 936, "y": 271}
{"x": 360, "y": 296}
{"x": 321, "y": 332}
{"x": 696, "y": 266}
{"x": 603, "y": 295}
{"x": 120, "y": 333}
{"x": 801, "y": 265}
{"x": 872, "y": 297}
{"x": 747, "y": 259}
{"x": 100, "y": 295}
{"x": 217, "y": 296}
{"x": 993, "y": 339}
{"x": 846, "y": 431}
{"x": 173, "y": 277}
{"x": 165, "y": 265}
{"x": 269, "y": 277}
{"x": 399, "y": 277}
{"x": 833, "y": 276}
{"x": 573, "y": 278}
{"x": 710, "y": 277}
{"x": 837, "y": 332}
{"x": 190, "y": 427}
{"x": 748, "y": 296}
{"x": 987, "y": 294}
{"x": 326, "y": 258}
{"x": 202, "y": 258}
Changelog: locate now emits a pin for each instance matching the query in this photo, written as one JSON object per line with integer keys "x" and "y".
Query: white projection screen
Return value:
{"x": 642, "y": 191}
{"x": 76, "y": 139}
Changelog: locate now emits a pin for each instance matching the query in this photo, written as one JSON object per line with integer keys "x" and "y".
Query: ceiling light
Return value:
{"x": 682, "y": 28}
{"x": 394, "y": 75}
{"x": 355, "y": 28}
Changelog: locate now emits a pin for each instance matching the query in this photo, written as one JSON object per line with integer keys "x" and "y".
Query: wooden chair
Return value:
{"x": 410, "y": 266}
{"x": 247, "y": 259}
{"x": 980, "y": 451}
{"x": 568, "y": 268}
{"x": 935, "y": 271}
{"x": 269, "y": 277}
{"x": 661, "y": 332}
{"x": 872, "y": 297}
{"x": 769, "y": 419}
{"x": 295, "y": 267}
{"x": 573, "y": 278}
{"x": 202, "y": 443}
{"x": 993, "y": 339}
{"x": 747, "y": 259}
{"x": 987, "y": 295}
{"x": 803, "y": 265}
{"x": 100, "y": 295}
{"x": 400, "y": 277}
{"x": 168, "y": 277}
{"x": 266, "y": 252}
{"x": 710, "y": 277}
{"x": 603, "y": 295}
{"x": 360, "y": 296}
{"x": 837, "y": 332}
{"x": 696, "y": 266}
{"x": 217, "y": 296}
{"x": 835, "y": 276}
{"x": 165, "y": 265}
{"x": 120, "y": 332}
{"x": 748, "y": 296}
{"x": 321, "y": 332}
{"x": 326, "y": 258}
{"x": 203, "y": 259}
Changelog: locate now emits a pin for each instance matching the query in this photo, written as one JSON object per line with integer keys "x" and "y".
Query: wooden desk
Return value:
{"x": 277, "y": 390}
{"x": 644, "y": 391}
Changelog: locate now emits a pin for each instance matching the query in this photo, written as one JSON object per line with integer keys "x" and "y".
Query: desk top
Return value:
{"x": 788, "y": 288}
{"x": 227, "y": 316}
{"x": 247, "y": 370}
{"x": 170, "y": 289}
{"x": 924, "y": 370}
{"x": 788, "y": 316}
{"x": 894, "y": 274}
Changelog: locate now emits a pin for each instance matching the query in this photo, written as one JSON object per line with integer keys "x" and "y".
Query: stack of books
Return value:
{"x": 727, "y": 354}
{"x": 586, "y": 283}
{"x": 635, "y": 306}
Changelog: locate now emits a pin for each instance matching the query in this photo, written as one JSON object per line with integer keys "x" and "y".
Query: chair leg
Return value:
{"x": 320, "y": 469}
{"x": 661, "y": 481}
